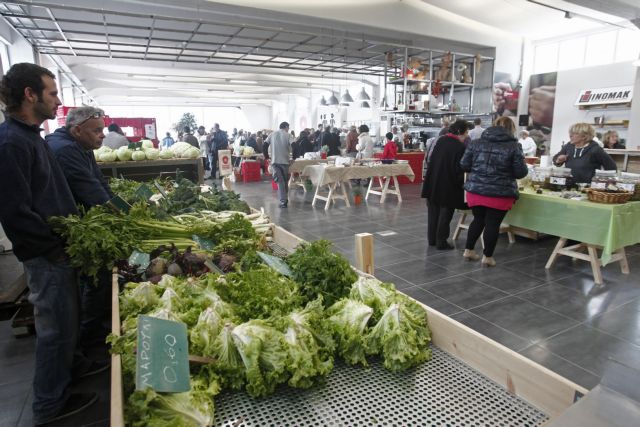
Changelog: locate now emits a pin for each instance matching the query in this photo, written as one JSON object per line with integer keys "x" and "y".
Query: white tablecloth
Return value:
{"x": 323, "y": 175}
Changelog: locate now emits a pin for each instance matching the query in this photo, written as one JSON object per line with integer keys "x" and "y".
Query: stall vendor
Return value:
{"x": 582, "y": 154}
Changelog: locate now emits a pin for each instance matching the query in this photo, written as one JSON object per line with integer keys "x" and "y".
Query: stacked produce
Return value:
{"x": 257, "y": 326}
{"x": 262, "y": 329}
{"x": 144, "y": 150}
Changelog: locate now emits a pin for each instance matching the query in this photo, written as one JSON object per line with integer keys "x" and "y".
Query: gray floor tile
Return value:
{"x": 384, "y": 276}
{"x": 464, "y": 291}
{"x": 365, "y": 227}
{"x": 453, "y": 261}
{"x": 12, "y": 398}
{"x": 622, "y": 322}
{"x": 590, "y": 348}
{"x": 534, "y": 266}
{"x": 524, "y": 319}
{"x": 433, "y": 301}
{"x": 418, "y": 272}
{"x": 569, "y": 302}
{"x": 506, "y": 280}
{"x": 561, "y": 366}
{"x": 612, "y": 293}
{"x": 490, "y": 330}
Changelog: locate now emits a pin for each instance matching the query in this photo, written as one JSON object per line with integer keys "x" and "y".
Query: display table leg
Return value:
{"x": 369, "y": 188}
{"x": 332, "y": 188}
{"x": 624, "y": 264}
{"x": 385, "y": 188}
{"x": 595, "y": 264}
{"x": 460, "y": 226}
{"x": 315, "y": 195}
{"x": 556, "y": 252}
{"x": 396, "y": 188}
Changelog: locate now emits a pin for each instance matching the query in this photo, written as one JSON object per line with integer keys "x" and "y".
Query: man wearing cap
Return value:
{"x": 34, "y": 189}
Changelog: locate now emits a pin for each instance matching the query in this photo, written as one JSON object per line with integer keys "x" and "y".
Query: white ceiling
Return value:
{"x": 255, "y": 51}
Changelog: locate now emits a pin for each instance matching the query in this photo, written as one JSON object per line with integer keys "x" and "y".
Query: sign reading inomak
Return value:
{"x": 605, "y": 95}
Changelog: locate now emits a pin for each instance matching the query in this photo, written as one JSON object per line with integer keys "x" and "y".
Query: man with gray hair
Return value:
{"x": 33, "y": 190}
{"x": 72, "y": 146}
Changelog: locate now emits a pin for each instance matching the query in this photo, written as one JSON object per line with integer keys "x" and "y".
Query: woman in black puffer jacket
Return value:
{"x": 494, "y": 162}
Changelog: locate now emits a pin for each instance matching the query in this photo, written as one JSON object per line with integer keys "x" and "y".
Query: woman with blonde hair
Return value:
{"x": 582, "y": 154}
{"x": 493, "y": 162}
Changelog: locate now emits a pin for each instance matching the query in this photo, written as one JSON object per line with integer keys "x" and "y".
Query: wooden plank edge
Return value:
{"x": 537, "y": 385}
{"x": 116, "y": 407}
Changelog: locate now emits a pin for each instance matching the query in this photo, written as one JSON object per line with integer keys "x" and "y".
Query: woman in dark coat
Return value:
{"x": 442, "y": 186}
{"x": 494, "y": 162}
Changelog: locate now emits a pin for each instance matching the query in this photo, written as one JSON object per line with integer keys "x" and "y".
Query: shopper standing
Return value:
{"x": 365, "y": 143}
{"x": 34, "y": 189}
{"x": 116, "y": 138}
{"x": 352, "y": 141}
{"x": 167, "y": 141}
{"x": 203, "y": 145}
{"x": 477, "y": 130}
{"x": 219, "y": 141}
{"x": 188, "y": 137}
{"x": 390, "y": 148}
{"x": 279, "y": 152}
{"x": 443, "y": 182}
{"x": 73, "y": 145}
{"x": 494, "y": 163}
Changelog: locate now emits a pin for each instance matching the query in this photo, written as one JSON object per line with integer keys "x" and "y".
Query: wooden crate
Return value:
{"x": 539, "y": 386}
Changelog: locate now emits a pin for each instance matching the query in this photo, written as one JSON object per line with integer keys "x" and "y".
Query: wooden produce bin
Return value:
{"x": 519, "y": 376}
{"x": 146, "y": 170}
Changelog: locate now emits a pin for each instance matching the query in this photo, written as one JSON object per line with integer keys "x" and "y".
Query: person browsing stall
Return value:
{"x": 279, "y": 152}
{"x": 493, "y": 162}
{"x": 443, "y": 182}
{"x": 365, "y": 143}
{"x": 115, "y": 139}
{"x": 611, "y": 140}
{"x": 33, "y": 190}
{"x": 72, "y": 146}
{"x": 582, "y": 154}
{"x": 390, "y": 148}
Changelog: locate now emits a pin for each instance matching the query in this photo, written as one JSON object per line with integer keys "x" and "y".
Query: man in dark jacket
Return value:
{"x": 72, "y": 146}
{"x": 34, "y": 189}
{"x": 219, "y": 141}
{"x": 442, "y": 186}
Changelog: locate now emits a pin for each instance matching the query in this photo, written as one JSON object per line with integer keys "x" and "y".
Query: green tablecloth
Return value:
{"x": 610, "y": 226}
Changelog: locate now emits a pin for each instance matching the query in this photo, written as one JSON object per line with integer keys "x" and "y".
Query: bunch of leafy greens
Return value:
{"x": 264, "y": 354}
{"x": 125, "y": 188}
{"x": 188, "y": 197}
{"x": 348, "y": 321}
{"x": 259, "y": 293}
{"x": 194, "y": 408}
{"x": 97, "y": 238}
{"x": 309, "y": 343}
{"x": 321, "y": 272}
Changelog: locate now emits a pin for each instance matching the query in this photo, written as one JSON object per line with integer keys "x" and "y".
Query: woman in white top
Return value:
{"x": 365, "y": 143}
{"x": 528, "y": 144}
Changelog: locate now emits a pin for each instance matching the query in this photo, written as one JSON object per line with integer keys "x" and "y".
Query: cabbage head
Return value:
{"x": 124, "y": 153}
{"x": 146, "y": 143}
{"x": 138, "y": 155}
{"x": 152, "y": 153}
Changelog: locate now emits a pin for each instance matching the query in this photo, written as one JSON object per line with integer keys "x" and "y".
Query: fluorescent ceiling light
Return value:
{"x": 636, "y": 63}
{"x": 248, "y": 82}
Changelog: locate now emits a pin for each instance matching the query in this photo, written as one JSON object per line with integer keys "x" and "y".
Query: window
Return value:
{"x": 571, "y": 54}
{"x": 628, "y": 46}
{"x": 600, "y": 48}
{"x": 546, "y": 58}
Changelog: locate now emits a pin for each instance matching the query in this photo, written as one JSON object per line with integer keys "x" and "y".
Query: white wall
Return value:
{"x": 633, "y": 140}
{"x": 258, "y": 117}
{"x": 568, "y": 85}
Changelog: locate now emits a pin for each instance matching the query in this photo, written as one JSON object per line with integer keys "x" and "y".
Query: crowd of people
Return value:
{"x": 480, "y": 174}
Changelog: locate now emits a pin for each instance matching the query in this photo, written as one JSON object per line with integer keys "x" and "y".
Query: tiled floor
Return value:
{"x": 558, "y": 318}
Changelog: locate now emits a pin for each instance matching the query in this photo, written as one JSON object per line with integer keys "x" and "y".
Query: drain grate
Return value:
{"x": 278, "y": 250}
{"x": 442, "y": 392}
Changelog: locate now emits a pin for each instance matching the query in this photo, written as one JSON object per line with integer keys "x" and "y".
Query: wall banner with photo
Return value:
{"x": 542, "y": 96}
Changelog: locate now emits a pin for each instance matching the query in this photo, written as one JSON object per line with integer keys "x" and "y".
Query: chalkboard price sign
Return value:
{"x": 162, "y": 361}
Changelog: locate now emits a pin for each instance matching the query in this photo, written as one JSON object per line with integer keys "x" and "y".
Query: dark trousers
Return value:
{"x": 94, "y": 308}
{"x": 438, "y": 223}
{"x": 487, "y": 220}
{"x": 281, "y": 173}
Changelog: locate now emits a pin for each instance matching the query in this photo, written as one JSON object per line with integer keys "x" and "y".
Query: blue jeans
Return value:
{"x": 54, "y": 295}
{"x": 95, "y": 299}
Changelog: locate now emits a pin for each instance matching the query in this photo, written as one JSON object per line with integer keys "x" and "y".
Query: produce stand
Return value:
{"x": 597, "y": 226}
{"x": 470, "y": 379}
{"x": 146, "y": 170}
